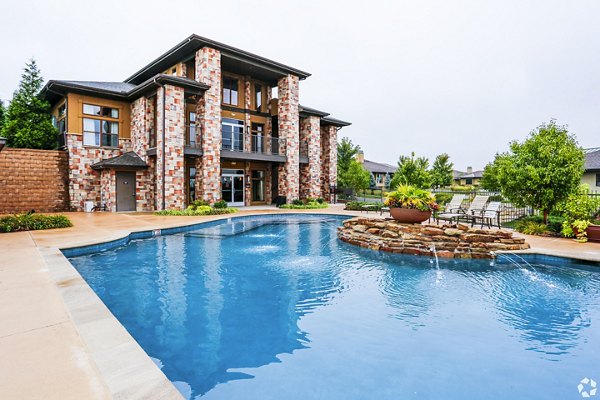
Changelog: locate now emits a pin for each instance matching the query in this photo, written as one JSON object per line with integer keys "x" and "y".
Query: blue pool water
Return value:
{"x": 265, "y": 308}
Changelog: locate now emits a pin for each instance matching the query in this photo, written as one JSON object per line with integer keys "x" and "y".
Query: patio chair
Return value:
{"x": 453, "y": 206}
{"x": 490, "y": 215}
{"x": 475, "y": 208}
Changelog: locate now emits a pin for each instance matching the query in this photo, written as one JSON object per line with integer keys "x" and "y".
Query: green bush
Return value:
{"x": 443, "y": 198}
{"x": 302, "y": 206}
{"x": 532, "y": 228}
{"x": 32, "y": 222}
{"x": 200, "y": 210}
{"x": 320, "y": 200}
{"x": 357, "y": 205}
{"x": 297, "y": 202}
{"x": 220, "y": 204}
{"x": 553, "y": 226}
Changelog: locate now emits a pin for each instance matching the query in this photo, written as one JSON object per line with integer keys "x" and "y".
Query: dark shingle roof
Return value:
{"x": 464, "y": 175}
{"x": 311, "y": 111}
{"x": 119, "y": 87}
{"x": 334, "y": 122}
{"x": 592, "y": 159}
{"x": 375, "y": 167}
{"x": 125, "y": 160}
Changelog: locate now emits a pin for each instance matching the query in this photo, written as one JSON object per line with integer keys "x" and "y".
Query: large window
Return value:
{"x": 97, "y": 132}
{"x": 103, "y": 131}
{"x": 230, "y": 91}
{"x": 258, "y": 138}
{"x": 191, "y": 129}
{"x": 258, "y": 96}
{"x": 258, "y": 185}
{"x": 598, "y": 180}
{"x": 233, "y": 134}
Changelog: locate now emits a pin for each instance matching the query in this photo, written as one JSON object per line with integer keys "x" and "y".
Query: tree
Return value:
{"x": 357, "y": 177}
{"x": 489, "y": 180}
{"x": 2, "y": 112}
{"x": 441, "y": 171}
{"x": 412, "y": 171}
{"x": 28, "y": 123}
{"x": 346, "y": 152}
{"x": 542, "y": 171}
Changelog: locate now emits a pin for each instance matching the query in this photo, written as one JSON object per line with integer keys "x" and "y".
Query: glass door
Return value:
{"x": 232, "y": 187}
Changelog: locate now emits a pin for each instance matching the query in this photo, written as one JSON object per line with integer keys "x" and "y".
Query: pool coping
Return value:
{"x": 126, "y": 368}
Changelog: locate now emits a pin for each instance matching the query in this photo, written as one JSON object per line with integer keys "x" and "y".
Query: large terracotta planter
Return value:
{"x": 593, "y": 233}
{"x": 409, "y": 216}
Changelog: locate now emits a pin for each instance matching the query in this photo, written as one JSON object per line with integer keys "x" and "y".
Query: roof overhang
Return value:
{"x": 307, "y": 111}
{"x": 334, "y": 122}
{"x": 56, "y": 89}
{"x": 232, "y": 59}
{"x": 128, "y": 161}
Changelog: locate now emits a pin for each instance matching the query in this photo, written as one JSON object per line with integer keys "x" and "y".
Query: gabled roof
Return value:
{"x": 381, "y": 168}
{"x": 592, "y": 159}
{"x": 129, "y": 160}
{"x": 119, "y": 90}
{"x": 465, "y": 175}
{"x": 231, "y": 59}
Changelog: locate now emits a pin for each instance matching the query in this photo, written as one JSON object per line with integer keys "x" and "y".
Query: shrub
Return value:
{"x": 31, "y": 222}
{"x": 443, "y": 198}
{"x": 553, "y": 226}
{"x": 297, "y": 202}
{"x": 357, "y": 205}
{"x": 532, "y": 227}
{"x": 198, "y": 203}
{"x": 220, "y": 204}
{"x": 577, "y": 209}
{"x": 320, "y": 200}
{"x": 307, "y": 206}
{"x": 200, "y": 210}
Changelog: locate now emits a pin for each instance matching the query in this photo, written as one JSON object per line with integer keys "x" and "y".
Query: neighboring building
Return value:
{"x": 199, "y": 122}
{"x": 591, "y": 176}
{"x": 469, "y": 178}
{"x": 381, "y": 173}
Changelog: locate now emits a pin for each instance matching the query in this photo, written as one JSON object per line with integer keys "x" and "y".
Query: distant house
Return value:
{"x": 591, "y": 175}
{"x": 469, "y": 178}
{"x": 381, "y": 173}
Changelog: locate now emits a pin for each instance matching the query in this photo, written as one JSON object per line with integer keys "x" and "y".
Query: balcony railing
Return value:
{"x": 259, "y": 144}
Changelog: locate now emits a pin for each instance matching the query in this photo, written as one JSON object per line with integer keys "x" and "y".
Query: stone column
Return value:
{"x": 310, "y": 174}
{"x": 247, "y": 146}
{"x": 170, "y": 168}
{"x": 328, "y": 159}
{"x": 208, "y": 120}
{"x": 289, "y": 120}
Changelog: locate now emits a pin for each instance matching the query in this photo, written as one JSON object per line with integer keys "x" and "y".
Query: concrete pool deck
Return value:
{"x": 53, "y": 336}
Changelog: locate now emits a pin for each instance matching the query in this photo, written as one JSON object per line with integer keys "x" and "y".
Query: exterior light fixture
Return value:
{"x": 2, "y": 143}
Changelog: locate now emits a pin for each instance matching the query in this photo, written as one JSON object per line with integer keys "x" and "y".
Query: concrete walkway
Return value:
{"x": 54, "y": 347}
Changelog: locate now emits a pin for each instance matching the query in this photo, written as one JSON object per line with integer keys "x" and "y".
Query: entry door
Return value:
{"x": 125, "y": 191}
{"x": 232, "y": 189}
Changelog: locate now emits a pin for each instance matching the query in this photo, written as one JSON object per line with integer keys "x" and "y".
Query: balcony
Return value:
{"x": 253, "y": 147}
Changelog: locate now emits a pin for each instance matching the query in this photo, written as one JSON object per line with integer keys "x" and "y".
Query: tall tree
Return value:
{"x": 412, "y": 171}
{"x": 2, "y": 112}
{"x": 28, "y": 123}
{"x": 347, "y": 151}
{"x": 441, "y": 171}
{"x": 542, "y": 171}
{"x": 489, "y": 180}
{"x": 356, "y": 176}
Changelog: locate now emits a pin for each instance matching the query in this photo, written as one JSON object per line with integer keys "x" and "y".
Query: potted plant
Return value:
{"x": 578, "y": 211}
{"x": 409, "y": 204}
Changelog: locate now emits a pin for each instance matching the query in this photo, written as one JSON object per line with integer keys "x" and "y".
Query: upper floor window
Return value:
{"x": 598, "y": 180}
{"x": 99, "y": 111}
{"x": 230, "y": 91}
{"x": 103, "y": 131}
{"x": 258, "y": 97}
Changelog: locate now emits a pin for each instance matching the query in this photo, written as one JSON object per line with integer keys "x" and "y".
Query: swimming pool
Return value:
{"x": 276, "y": 307}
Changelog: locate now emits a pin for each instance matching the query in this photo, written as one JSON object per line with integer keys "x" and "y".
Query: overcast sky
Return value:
{"x": 462, "y": 77}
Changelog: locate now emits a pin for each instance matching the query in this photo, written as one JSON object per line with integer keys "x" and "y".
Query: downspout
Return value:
{"x": 164, "y": 119}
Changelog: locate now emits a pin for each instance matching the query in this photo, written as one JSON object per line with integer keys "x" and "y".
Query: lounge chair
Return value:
{"x": 475, "y": 208}
{"x": 453, "y": 206}
{"x": 490, "y": 215}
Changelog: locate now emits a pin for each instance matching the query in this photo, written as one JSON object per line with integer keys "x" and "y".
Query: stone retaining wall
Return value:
{"x": 450, "y": 241}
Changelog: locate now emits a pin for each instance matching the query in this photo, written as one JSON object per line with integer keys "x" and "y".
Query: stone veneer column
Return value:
{"x": 208, "y": 119}
{"x": 310, "y": 174}
{"x": 328, "y": 159}
{"x": 174, "y": 134}
{"x": 142, "y": 112}
{"x": 289, "y": 121}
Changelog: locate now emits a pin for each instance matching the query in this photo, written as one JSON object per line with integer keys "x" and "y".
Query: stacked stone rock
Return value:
{"x": 450, "y": 240}
{"x": 289, "y": 129}
{"x": 328, "y": 159}
{"x": 310, "y": 174}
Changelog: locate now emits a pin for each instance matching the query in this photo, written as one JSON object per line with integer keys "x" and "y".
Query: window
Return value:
{"x": 230, "y": 91}
{"x": 191, "y": 129}
{"x": 258, "y": 97}
{"x": 233, "y": 134}
{"x": 61, "y": 119}
{"x": 99, "y": 111}
{"x": 191, "y": 175}
{"x": 598, "y": 180}
{"x": 469, "y": 181}
{"x": 97, "y": 132}
{"x": 258, "y": 138}
{"x": 190, "y": 69}
{"x": 258, "y": 185}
